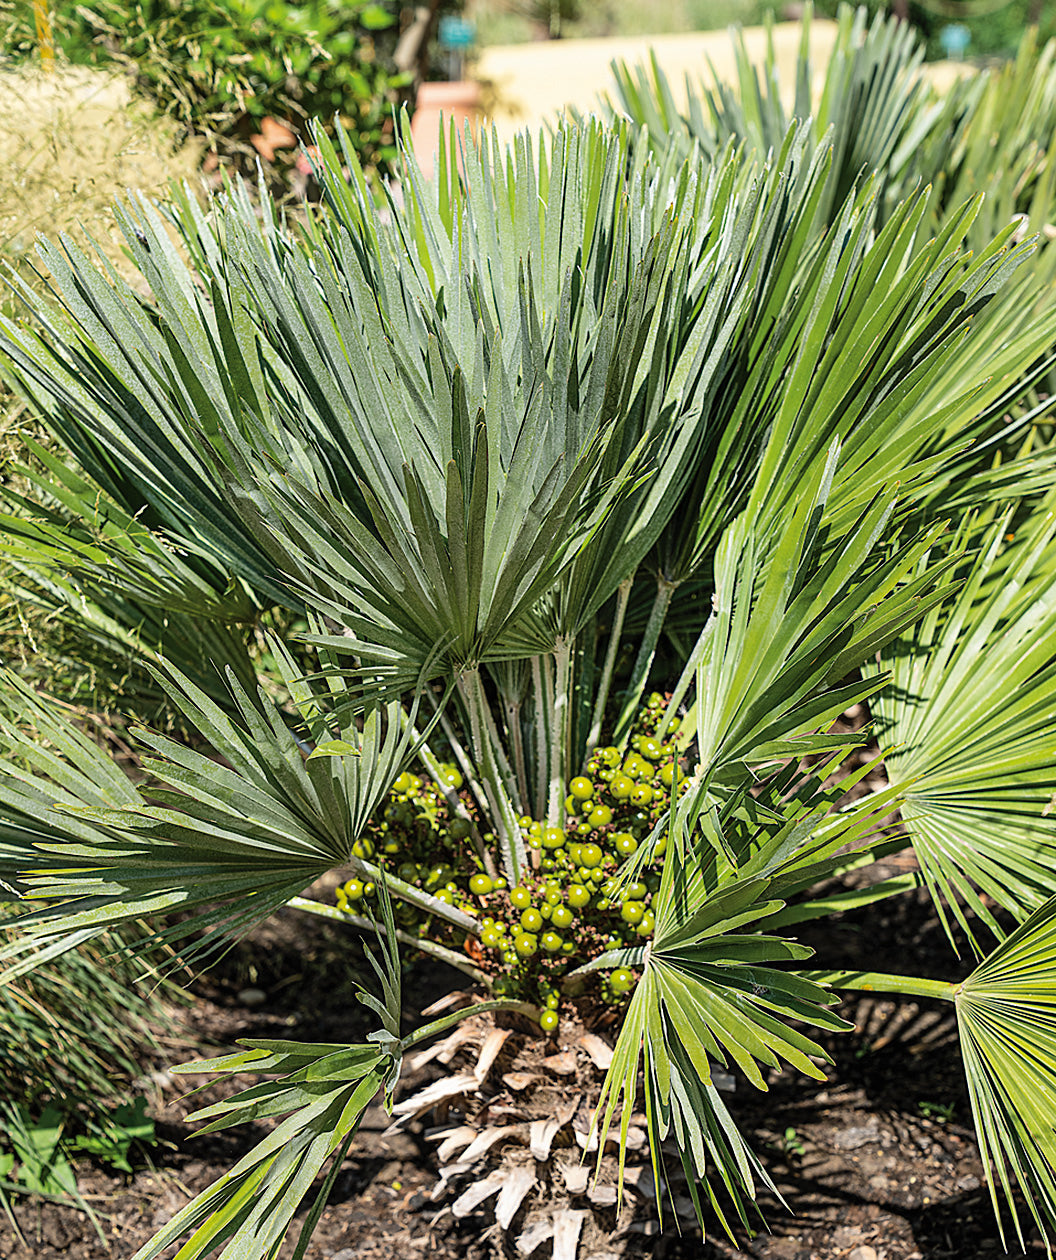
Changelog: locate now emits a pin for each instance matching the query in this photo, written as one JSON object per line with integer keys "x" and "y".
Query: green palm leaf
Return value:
{"x": 1006, "y": 1017}
{"x": 969, "y": 712}
{"x": 321, "y": 1090}
{"x": 873, "y": 103}
{"x": 712, "y": 988}
{"x": 787, "y": 626}
{"x": 1006, "y": 1014}
{"x": 232, "y": 841}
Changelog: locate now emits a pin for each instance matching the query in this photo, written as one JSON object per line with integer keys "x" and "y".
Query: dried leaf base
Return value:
{"x": 511, "y": 1120}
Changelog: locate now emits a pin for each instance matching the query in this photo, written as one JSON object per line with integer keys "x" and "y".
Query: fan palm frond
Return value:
{"x": 231, "y": 839}
{"x": 969, "y": 713}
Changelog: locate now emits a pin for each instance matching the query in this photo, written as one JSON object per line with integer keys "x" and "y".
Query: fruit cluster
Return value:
{"x": 567, "y": 905}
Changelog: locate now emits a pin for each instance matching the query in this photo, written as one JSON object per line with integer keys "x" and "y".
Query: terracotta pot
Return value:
{"x": 273, "y": 135}
{"x": 437, "y": 104}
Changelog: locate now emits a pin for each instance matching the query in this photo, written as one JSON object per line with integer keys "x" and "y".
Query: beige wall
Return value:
{"x": 527, "y": 84}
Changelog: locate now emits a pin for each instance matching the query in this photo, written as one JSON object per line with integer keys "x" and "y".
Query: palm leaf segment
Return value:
{"x": 882, "y": 116}
{"x": 969, "y": 713}
{"x": 1006, "y": 1013}
{"x": 232, "y": 841}
{"x": 113, "y": 592}
{"x": 461, "y": 433}
{"x": 712, "y": 989}
{"x": 875, "y": 106}
{"x": 1006, "y": 1017}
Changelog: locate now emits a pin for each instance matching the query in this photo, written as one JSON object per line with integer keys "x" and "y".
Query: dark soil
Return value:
{"x": 880, "y": 1164}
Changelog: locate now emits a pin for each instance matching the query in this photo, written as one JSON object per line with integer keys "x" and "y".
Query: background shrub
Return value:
{"x": 220, "y": 67}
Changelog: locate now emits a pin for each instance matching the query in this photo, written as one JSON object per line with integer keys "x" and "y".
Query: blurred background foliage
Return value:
{"x": 220, "y": 68}
{"x": 994, "y": 27}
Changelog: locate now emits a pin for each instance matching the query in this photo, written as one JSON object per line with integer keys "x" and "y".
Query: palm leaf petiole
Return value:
{"x": 433, "y": 948}
{"x": 623, "y": 595}
{"x": 559, "y": 731}
{"x": 881, "y": 982}
{"x": 500, "y": 806}
{"x": 665, "y": 591}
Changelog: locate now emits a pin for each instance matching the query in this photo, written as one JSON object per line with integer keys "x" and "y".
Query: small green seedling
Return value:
{"x": 943, "y": 1112}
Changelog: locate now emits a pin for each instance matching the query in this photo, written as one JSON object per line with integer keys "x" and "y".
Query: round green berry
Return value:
{"x": 526, "y": 945}
{"x": 354, "y": 889}
{"x": 577, "y": 895}
{"x": 551, "y": 942}
{"x": 621, "y": 787}
{"x": 632, "y": 912}
{"x": 581, "y": 788}
{"x": 670, "y": 772}
{"x": 562, "y": 917}
{"x": 591, "y": 856}
{"x": 531, "y": 920}
{"x": 553, "y": 1001}
{"x": 624, "y": 843}
{"x": 451, "y": 776}
{"x": 553, "y": 838}
{"x": 458, "y": 828}
{"x": 440, "y": 874}
{"x": 621, "y": 980}
{"x": 600, "y": 816}
{"x": 548, "y": 1021}
{"x": 521, "y": 897}
{"x": 642, "y": 794}
{"x": 481, "y": 885}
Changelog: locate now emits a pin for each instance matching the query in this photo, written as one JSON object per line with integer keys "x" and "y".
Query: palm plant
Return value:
{"x": 569, "y": 395}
